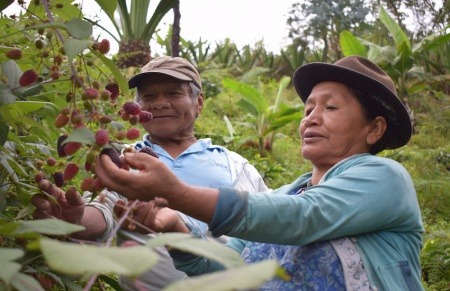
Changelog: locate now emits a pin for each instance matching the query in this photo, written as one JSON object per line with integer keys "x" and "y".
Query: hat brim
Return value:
{"x": 135, "y": 80}
{"x": 309, "y": 75}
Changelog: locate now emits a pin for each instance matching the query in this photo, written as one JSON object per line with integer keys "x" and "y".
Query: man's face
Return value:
{"x": 173, "y": 107}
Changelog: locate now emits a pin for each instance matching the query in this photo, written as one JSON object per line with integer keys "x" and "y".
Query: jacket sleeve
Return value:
{"x": 358, "y": 197}
{"x": 244, "y": 175}
{"x": 105, "y": 206}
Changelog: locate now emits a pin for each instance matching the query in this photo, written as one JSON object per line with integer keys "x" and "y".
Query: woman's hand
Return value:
{"x": 152, "y": 178}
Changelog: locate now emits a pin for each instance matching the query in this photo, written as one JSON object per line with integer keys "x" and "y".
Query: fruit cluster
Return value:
{"x": 105, "y": 141}
{"x": 92, "y": 122}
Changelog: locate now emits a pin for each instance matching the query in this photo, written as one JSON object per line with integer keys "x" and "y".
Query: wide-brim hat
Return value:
{"x": 176, "y": 67}
{"x": 363, "y": 75}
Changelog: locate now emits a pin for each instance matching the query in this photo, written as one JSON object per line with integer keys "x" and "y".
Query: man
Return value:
{"x": 171, "y": 89}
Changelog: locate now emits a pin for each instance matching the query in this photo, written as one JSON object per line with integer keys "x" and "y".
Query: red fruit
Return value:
{"x": 61, "y": 120}
{"x": 132, "y": 107}
{"x": 77, "y": 118}
{"x": 60, "y": 147}
{"x": 87, "y": 185}
{"x": 133, "y": 133}
{"x": 65, "y": 111}
{"x": 120, "y": 134}
{"x": 98, "y": 185}
{"x": 39, "y": 177}
{"x": 145, "y": 116}
{"x": 45, "y": 281}
{"x": 71, "y": 147}
{"x": 105, "y": 95}
{"x": 14, "y": 54}
{"x": 58, "y": 59}
{"x": 28, "y": 77}
{"x": 55, "y": 75}
{"x": 102, "y": 137}
{"x": 114, "y": 89}
{"x": 113, "y": 154}
{"x": 91, "y": 93}
{"x": 87, "y": 166}
{"x": 58, "y": 178}
{"x": 149, "y": 151}
{"x": 105, "y": 119}
{"x": 125, "y": 116}
{"x": 70, "y": 171}
{"x": 51, "y": 161}
{"x": 103, "y": 46}
{"x": 134, "y": 119}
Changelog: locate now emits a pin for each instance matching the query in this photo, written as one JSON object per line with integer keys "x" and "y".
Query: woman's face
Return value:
{"x": 334, "y": 126}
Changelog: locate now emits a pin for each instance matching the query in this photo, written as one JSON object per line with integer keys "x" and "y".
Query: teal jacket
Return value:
{"x": 367, "y": 198}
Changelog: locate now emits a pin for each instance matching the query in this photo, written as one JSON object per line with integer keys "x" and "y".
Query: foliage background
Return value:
{"x": 235, "y": 83}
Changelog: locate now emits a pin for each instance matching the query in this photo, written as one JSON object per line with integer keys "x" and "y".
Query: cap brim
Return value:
{"x": 309, "y": 75}
{"x": 135, "y": 80}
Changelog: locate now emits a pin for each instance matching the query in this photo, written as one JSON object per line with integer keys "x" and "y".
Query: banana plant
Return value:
{"x": 134, "y": 31}
{"x": 265, "y": 119}
{"x": 401, "y": 59}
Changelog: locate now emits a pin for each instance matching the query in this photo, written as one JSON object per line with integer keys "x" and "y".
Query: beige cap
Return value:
{"x": 176, "y": 67}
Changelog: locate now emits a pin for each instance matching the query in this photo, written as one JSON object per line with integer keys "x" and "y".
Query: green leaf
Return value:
{"x": 17, "y": 168}
{"x": 207, "y": 248}
{"x": 405, "y": 60}
{"x": 396, "y": 31}
{"x": 77, "y": 259}
{"x": 4, "y": 129}
{"x": 12, "y": 73}
{"x": 6, "y": 166}
{"x": 284, "y": 82}
{"x": 6, "y": 96}
{"x": 109, "y": 6}
{"x": 250, "y": 94}
{"x": 351, "y": 45}
{"x": 83, "y": 135}
{"x": 230, "y": 127}
{"x": 32, "y": 106}
{"x": 23, "y": 282}
{"x": 67, "y": 12}
{"x": 79, "y": 28}
{"x": 431, "y": 42}
{"x": 46, "y": 226}
{"x": 73, "y": 47}
{"x": 164, "y": 6}
{"x": 242, "y": 278}
{"x": 9, "y": 267}
{"x": 120, "y": 79}
{"x": 249, "y": 107}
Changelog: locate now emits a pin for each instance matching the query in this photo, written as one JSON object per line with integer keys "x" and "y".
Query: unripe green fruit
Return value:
{"x": 87, "y": 105}
{"x": 39, "y": 44}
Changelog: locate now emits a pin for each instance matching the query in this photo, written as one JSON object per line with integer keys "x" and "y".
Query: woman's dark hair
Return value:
{"x": 373, "y": 107}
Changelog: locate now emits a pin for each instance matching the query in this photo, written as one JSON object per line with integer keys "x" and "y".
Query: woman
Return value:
{"x": 352, "y": 223}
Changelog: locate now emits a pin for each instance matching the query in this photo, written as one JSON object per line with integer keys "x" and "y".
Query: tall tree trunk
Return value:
{"x": 176, "y": 30}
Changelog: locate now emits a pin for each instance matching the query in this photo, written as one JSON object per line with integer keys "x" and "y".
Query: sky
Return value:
{"x": 243, "y": 21}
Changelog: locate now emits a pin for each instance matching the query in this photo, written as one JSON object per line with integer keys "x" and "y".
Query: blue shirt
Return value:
{"x": 210, "y": 159}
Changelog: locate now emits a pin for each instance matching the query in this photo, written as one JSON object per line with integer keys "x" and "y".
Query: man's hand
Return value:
{"x": 147, "y": 217}
{"x": 67, "y": 206}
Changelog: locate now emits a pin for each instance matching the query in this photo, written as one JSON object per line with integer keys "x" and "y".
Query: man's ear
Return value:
{"x": 378, "y": 128}
{"x": 200, "y": 103}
